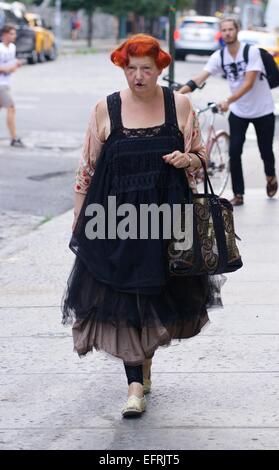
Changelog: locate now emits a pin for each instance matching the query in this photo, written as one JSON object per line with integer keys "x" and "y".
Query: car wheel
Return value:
{"x": 52, "y": 54}
{"x": 41, "y": 57}
{"x": 33, "y": 59}
{"x": 179, "y": 55}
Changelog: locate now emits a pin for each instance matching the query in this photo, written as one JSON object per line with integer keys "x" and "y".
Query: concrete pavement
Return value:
{"x": 81, "y": 47}
{"x": 219, "y": 390}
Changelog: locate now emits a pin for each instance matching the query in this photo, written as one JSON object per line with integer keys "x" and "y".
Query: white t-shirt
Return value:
{"x": 256, "y": 102}
{"x": 7, "y": 58}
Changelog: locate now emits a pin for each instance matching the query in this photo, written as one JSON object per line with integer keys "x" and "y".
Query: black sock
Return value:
{"x": 134, "y": 374}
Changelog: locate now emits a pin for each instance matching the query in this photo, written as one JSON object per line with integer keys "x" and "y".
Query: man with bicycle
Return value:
{"x": 250, "y": 101}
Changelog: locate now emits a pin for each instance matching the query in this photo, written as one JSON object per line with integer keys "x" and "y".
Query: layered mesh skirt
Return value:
{"x": 131, "y": 326}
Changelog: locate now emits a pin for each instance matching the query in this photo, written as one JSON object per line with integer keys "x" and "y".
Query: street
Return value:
{"x": 216, "y": 391}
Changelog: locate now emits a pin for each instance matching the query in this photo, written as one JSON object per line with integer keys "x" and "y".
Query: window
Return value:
{"x": 199, "y": 25}
{"x": 11, "y": 18}
{"x": 2, "y": 18}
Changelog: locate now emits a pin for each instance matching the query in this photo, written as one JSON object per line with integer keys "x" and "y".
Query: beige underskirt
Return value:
{"x": 129, "y": 344}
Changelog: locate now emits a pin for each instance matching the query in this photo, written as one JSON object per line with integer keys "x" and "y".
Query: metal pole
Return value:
{"x": 57, "y": 22}
{"x": 122, "y": 33}
{"x": 172, "y": 11}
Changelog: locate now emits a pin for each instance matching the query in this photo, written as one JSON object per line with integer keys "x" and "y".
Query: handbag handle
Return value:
{"x": 190, "y": 193}
{"x": 206, "y": 180}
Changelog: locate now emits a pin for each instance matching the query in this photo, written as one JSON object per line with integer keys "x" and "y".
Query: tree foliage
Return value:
{"x": 87, "y": 5}
{"x": 25, "y": 2}
{"x": 148, "y": 8}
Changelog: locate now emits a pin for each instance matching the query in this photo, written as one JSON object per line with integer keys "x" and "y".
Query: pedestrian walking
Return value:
{"x": 140, "y": 144}
{"x": 8, "y": 65}
{"x": 74, "y": 25}
{"x": 250, "y": 101}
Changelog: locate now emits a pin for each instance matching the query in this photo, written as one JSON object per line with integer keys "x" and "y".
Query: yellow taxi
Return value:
{"x": 45, "y": 39}
{"x": 265, "y": 40}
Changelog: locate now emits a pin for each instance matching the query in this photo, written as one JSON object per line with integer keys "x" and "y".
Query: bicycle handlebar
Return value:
{"x": 210, "y": 105}
{"x": 176, "y": 86}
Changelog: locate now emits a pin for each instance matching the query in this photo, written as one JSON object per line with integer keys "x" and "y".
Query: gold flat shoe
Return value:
{"x": 135, "y": 406}
{"x": 146, "y": 386}
{"x": 147, "y": 376}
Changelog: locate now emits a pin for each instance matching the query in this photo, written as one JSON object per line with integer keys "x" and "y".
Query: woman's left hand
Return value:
{"x": 177, "y": 159}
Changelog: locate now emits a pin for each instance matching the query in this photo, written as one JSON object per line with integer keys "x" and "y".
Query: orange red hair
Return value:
{"x": 140, "y": 45}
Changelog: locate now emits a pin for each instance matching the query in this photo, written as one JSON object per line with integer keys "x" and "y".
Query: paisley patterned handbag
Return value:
{"x": 214, "y": 249}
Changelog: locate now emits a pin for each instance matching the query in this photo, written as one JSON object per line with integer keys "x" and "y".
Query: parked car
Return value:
{"x": 25, "y": 41}
{"x": 263, "y": 39}
{"x": 196, "y": 35}
{"x": 45, "y": 39}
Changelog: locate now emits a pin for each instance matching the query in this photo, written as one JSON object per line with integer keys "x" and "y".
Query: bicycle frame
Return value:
{"x": 216, "y": 160}
{"x": 212, "y": 134}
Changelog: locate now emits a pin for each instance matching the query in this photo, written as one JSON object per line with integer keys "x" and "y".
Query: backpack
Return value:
{"x": 271, "y": 69}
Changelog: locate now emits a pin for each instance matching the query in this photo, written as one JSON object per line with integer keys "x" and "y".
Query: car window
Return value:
{"x": 199, "y": 24}
{"x": 2, "y": 18}
{"x": 23, "y": 21}
{"x": 11, "y": 18}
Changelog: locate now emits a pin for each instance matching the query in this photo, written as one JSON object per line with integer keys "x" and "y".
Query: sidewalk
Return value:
{"x": 216, "y": 391}
{"x": 68, "y": 46}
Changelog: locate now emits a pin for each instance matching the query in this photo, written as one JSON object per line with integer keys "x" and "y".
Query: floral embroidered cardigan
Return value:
{"x": 93, "y": 145}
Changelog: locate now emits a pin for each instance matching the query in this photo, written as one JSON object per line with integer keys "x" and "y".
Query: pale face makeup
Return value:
{"x": 141, "y": 74}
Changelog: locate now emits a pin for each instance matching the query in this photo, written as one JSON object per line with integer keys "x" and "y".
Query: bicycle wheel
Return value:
{"x": 218, "y": 163}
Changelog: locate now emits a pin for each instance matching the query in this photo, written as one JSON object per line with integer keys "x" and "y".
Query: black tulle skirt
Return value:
{"x": 131, "y": 326}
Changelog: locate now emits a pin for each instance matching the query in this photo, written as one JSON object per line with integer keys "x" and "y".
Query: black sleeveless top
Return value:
{"x": 130, "y": 170}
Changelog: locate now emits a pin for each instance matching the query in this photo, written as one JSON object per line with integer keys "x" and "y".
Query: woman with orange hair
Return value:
{"x": 140, "y": 144}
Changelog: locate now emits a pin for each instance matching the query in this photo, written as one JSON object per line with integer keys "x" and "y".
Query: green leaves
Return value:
{"x": 147, "y": 8}
{"x": 87, "y": 5}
